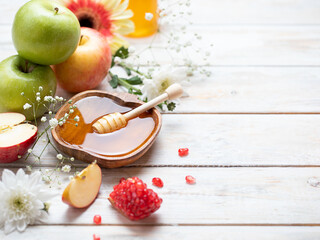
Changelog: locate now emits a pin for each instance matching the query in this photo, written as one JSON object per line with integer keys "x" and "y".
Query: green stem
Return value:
{"x": 127, "y": 85}
{"x": 135, "y": 70}
{"x": 47, "y": 128}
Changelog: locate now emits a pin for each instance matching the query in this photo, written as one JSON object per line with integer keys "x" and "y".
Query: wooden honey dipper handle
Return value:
{"x": 115, "y": 121}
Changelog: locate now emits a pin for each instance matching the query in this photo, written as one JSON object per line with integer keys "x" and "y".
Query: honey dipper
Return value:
{"x": 116, "y": 121}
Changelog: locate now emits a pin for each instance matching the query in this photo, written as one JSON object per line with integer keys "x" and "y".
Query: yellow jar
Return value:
{"x": 144, "y": 27}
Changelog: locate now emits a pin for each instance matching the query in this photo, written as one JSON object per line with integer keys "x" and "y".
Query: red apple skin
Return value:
{"x": 88, "y": 65}
{"x": 10, "y": 154}
{"x": 66, "y": 195}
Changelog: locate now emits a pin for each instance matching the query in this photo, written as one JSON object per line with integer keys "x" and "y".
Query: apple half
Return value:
{"x": 16, "y": 137}
{"x": 84, "y": 187}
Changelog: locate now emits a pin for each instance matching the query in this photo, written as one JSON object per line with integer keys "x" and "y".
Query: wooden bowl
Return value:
{"x": 123, "y": 99}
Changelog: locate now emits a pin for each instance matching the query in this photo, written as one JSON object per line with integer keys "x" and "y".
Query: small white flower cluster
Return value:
{"x": 181, "y": 41}
{"x": 66, "y": 168}
{"x": 53, "y": 122}
{"x": 148, "y": 16}
{"x": 26, "y": 106}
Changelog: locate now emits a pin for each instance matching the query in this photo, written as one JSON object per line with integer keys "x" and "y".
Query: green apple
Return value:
{"x": 17, "y": 76}
{"x": 45, "y": 32}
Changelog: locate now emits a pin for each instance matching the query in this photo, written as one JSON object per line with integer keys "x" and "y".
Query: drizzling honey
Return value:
{"x": 118, "y": 143}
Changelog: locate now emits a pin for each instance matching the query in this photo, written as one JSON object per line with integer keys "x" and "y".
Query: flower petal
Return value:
{"x": 111, "y": 4}
{"x": 121, "y": 7}
{"x": 21, "y": 225}
{"x": 8, "y": 178}
{"x": 124, "y": 27}
{"x": 117, "y": 42}
{"x": 125, "y": 15}
{"x": 9, "y": 227}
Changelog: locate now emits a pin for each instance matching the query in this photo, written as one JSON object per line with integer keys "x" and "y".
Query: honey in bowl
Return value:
{"x": 115, "y": 144}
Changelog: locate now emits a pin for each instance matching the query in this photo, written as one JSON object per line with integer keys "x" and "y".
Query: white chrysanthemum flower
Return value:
{"x": 53, "y": 122}
{"x": 76, "y": 118}
{"x": 148, "y": 16}
{"x": 161, "y": 81}
{"x": 22, "y": 200}
{"x": 26, "y": 106}
{"x": 66, "y": 168}
{"x": 43, "y": 119}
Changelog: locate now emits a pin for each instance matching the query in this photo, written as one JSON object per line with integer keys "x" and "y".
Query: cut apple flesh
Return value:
{"x": 16, "y": 135}
{"x": 11, "y": 119}
{"x": 15, "y": 138}
{"x": 84, "y": 187}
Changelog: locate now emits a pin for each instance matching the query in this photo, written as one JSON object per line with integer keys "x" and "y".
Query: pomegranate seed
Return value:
{"x": 190, "y": 179}
{"x": 97, "y": 219}
{"x": 157, "y": 182}
{"x": 96, "y": 237}
{"x": 122, "y": 179}
{"x": 183, "y": 152}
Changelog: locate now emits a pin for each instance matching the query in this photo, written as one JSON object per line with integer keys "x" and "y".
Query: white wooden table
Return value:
{"x": 255, "y": 151}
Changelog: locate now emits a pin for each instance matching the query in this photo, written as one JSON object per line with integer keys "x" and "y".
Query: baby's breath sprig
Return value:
{"x": 48, "y": 121}
{"x": 182, "y": 47}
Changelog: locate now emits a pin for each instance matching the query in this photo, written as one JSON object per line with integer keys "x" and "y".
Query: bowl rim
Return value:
{"x": 123, "y": 99}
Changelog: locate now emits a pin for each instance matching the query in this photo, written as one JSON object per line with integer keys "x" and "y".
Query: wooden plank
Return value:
{"x": 232, "y": 46}
{"x": 226, "y": 12}
{"x": 228, "y": 140}
{"x": 227, "y": 196}
{"x": 256, "y": 12}
{"x": 248, "y": 90}
{"x": 166, "y": 232}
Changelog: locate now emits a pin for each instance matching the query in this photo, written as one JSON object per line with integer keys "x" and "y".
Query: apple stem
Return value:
{"x": 56, "y": 9}
{"x": 80, "y": 40}
{"x": 26, "y": 66}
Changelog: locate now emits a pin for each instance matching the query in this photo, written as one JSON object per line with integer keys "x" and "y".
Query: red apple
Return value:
{"x": 16, "y": 137}
{"x": 88, "y": 65}
{"x": 84, "y": 187}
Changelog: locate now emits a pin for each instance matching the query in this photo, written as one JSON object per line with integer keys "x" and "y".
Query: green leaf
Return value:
{"x": 134, "y": 91}
{"x": 128, "y": 71}
{"x": 160, "y": 106}
{"x": 122, "y": 53}
{"x": 136, "y": 80}
{"x": 114, "y": 82}
{"x": 171, "y": 106}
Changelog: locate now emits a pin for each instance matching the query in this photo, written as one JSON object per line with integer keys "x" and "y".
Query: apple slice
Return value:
{"x": 84, "y": 187}
{"x": 16, "y": 137}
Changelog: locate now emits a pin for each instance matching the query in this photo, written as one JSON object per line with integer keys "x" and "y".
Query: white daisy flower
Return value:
{"x": 148, "y": 16}
{"x": 161, "y": 81}
{"x": 22, "y": 200}
{"x": 26, "y": 106}
{"x": 53, "y": 122}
